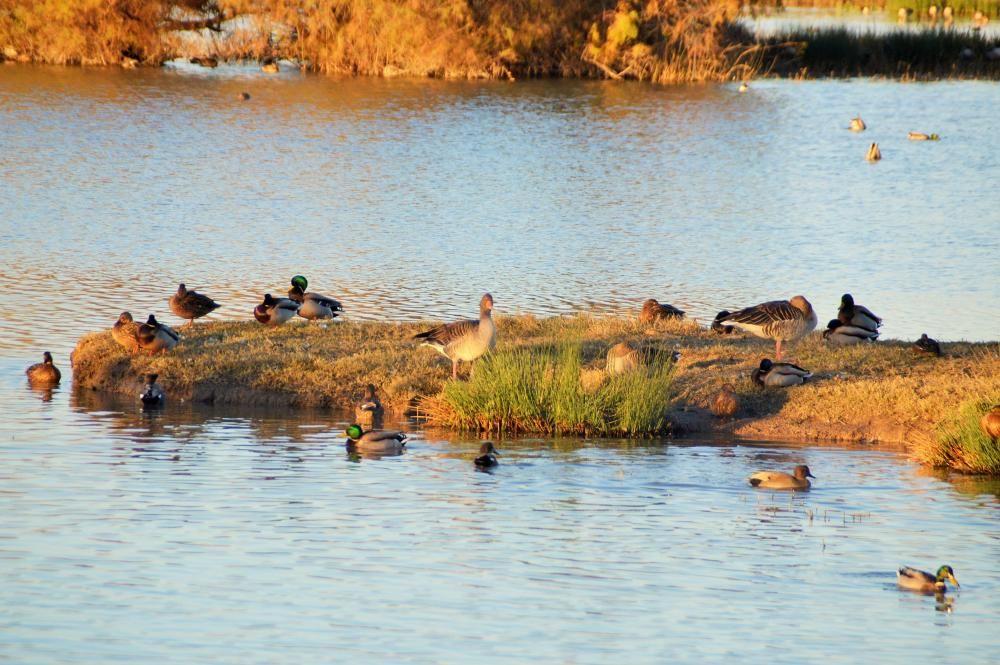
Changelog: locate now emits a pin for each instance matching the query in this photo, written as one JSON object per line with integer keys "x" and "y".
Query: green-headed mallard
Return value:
{"x": 191, "y": 305}
{"x": 126, "y": 332}
{"x": 778, "y": 480}
{"x": 857, "y": 124}
{"x": 780, "y": 320}
{"x": 927, "y": 345}
{"x": 920, "y": 136}
{"x": 152, "y": 394}
{"x": 860, "y": 316}
{"x": 275, "y": 311}
{"x": 918, "y": 580}
{"x": 155, "y": 336}
{"x": 779, "y": 375}
{"x": 375, "y": 442}
{"x": 487, "y": 456}
{"x": 464, "y": 340}
{"x": 726, "y": 402}
{"x": 44, "y": 374}
{"x": 838, "y": 334}
{"x": 314, "y": 306}
{"x": 653, "y": 311}
{"x": 990, "y": 422}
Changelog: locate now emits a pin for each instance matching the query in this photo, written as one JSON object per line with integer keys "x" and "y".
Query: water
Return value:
{"x": 877, "y": 22}
{"x": 221, "y": 535}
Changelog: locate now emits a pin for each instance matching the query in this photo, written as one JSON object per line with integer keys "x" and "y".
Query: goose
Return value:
{"x": 487, "y": 456}
{"x": 990, "y": 422}
{"x": 920, "y": 136}
{"x": 778, "y": 480}
{"x": 275, "y": 311}
{"x": 314, "y": 306}
{"x": 152, "y": 394}
{"x": 874, "y": 154}
{"x": 860, "y": 316}
{"x": 653, "y": 311}
{"x": 126, "y": 332}
{"x": 44, "y": 374}
{"x": 839, "y": 334}
{"x": 375, "y": 442}
{"x": 857, "y": 124}
{"x": 918, "y": 580}
{"x": 155, "y": 336}
{"x": 780, "y": 320}
{"x": 927, "y": 345}
{"x": 726, "y": 402}
{"x": 779, "y": 375}
{"x": 464, "y": 340}
{"x": 624, "y": 357}
{"x": 369, "y": 407}
{"x": 191, "y": 304}
{"x": 718, "y": 327}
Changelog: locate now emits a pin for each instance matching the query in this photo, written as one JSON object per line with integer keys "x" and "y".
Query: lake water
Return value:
{"x": 218, "y": 535}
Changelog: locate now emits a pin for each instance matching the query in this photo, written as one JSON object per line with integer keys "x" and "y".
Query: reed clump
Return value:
{"x": 960, "y": 442}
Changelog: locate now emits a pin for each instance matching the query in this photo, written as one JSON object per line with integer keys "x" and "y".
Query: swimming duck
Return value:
{"x": 744, "y": 87}
{"x": 718, "y": 327}
{"x": 44, "y": 374}
{"x": 726, "y": 402}
{"x": 857, "y": 124}
{"x": 269, "y": 66}
{"x": 126, "y": 332}
{"x": 152, "y": 394}
{"x": 778, "y": 480}
{"x": 918, "y": 580}
{"x": 487, "y": 456}
{"x": 375, "y": 442}
{"x": 464, "y": 340}
{"x": 369, "y": 407}
{"x": 927, "y": 345}
{"x": 990, "y": 422}
{"x": 314, "y": 306}
{"x": 206, "y": 61}
{"x": 920, "y": 136}
{"x": 653, "y": 311}
{"x": 191, "y": 305}
{"x": 874, "y": 154}
{"x": 780, "y": 320}
{"x": 860, "y": 316}
{"x": 155, "y": 336}
{"x": 779, "y": 375}
{"x": 275, "y": 311}
{"x": 838, "y": 334}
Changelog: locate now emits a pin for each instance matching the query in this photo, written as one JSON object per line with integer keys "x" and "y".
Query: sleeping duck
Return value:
{"x": 44, "y": 374}
{"x": 157, "y": 337}
{"x": 275, "y": 311}
{"x": 779, "y": 375}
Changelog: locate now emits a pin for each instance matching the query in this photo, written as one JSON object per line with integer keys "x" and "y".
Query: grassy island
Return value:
{"x": 547, "y": 375}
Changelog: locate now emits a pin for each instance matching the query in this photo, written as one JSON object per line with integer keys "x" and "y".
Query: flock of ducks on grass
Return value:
{"x": 874, "y": 154}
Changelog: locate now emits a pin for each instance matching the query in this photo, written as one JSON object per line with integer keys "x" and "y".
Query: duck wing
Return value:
{"x": 449, "y": 333}
{"x": 764, "y": 313}
{"x": 913, "y": 575}
{"x": 329, "y": 303}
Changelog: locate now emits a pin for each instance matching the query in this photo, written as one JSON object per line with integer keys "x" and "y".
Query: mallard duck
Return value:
{"x": 384, "y": 442}
{"x": 873, "y": 154}
{"x": 653, "y": 311}
{"x": 717, "y": 325}
{"x": 152, "y": 394}
{"x": 206, "y": 61}
{"x": 487, "y": 456}
{"x": 778, "y": 480}
{"x": 191, "y": 305}
{"x": 44, "y": 374}
{"x": 314, "y": 306}
{"x": 857, "y": 124}
{"x": 779, "y": 375}
{"x": 464, "y": 340}
{"x": 369, "y": 407}
{"x": 927, "y": 345}
{"x": 743, "y": 87}
{"x": 780, "y": 320}
{"x": 918, "y": 580}
{"x": 126, "y": 332}
{"x": 726, "y": 402}
{"x": 838, "y": 334}
{"x": 155, "y": 336}
{"x": 990, "y": 422}
{"x": 275, "y": 311}
{"x": 920, "y": 136}
{"x": 860, "y": 316}
{"x": 623, "y": 357}
{"x": 269, "y": 66}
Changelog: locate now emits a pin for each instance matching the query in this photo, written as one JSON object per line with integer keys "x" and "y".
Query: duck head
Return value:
{"x": 181, "y": 290}
{"x": 299, "y": 281}
{"x": 151, "y": 321}
{"x": 846, "y": 301}
{"x": 802, "y": 472}
{"x": 945, "y": 573}
{"x": 125, "y": 317}
{"x": 487, "y": 448}
{"x": 47, "y": 358}
{"x": 486, "y": 304}
{"x": 831, "y": 327}
{"x": 353, "y": 433}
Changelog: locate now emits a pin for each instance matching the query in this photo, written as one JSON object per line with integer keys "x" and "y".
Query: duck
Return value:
{"x": 487, "y": 456}
{"x": 744, "y": 87}
{"x": 990, "y": 423}
{"x": 779, "y": 480}
{"x": 370, "y": 405}
{"x": 874, "y": 154}
{"x": 44, "y": 374}
{"x": 155, "y": 336}
{"x": 920, "y": 136}
{"x": 653, "y": 311}
{"x": 718, "y": 327}
{"x": 624, "y": 357}
{"x": 269, "y": 66}
{"x": 780, "y": 320}
{"x": 376, "y": 442}
{"x": 464, "y": 340}
{"x": 126, "y": 332}
{"x": 726, "y": 402}
{"x": 839, "y": 334}
{"x": 927, "y": 345}
{"x": 191, "y": 305}
{"x": 244, "y": 96}
{"x": 860, "y": 316}
{"x": 314, "y": 306}
{"x": 152, "y": 394}
{"x": 918, "y": 580}
{"x": 275, "y": 311}
{"x": 206, "y": 61}
{"x": 779, "y": 375}
{"x": 857, "y": 124}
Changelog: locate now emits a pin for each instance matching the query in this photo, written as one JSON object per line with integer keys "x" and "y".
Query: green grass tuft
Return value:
{"x": 961, "y": 443}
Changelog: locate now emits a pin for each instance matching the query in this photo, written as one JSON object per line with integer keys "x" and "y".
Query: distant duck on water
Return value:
{"x": 857, "y": 124}
{"x": 920, "y": 136}
{"x": 918, "y": 580}
{"x": 780, "y": 320}
{"x": 152, "y": 394}
{"x": 487, "y": 456}
{"x": 44, "y": 374}
{"x": 375, "y": 442}
{"x": 874, "y": 154}
{"x": 778, "y": 480}
{"x": 464, "y": 340}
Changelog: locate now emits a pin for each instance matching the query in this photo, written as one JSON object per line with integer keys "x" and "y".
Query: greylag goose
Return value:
{"x": 780, "y": 320}
{"x": 464, "y": 340}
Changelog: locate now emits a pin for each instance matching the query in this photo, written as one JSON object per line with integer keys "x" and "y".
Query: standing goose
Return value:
{"x": 191, "y": 305}
{"x": 44, "y": 374}
{"x": 487, "y": 456}
{"x": 778, "y": 480}
{"x": 779, "y": 375}
{"x": 154, "y": 336}
{"x": 314, "y": 306}
{"x": 126, "y": 332}
{"x": 850, "y": 314}
{"x": 918, "y": 580}
{"x": 152, "y": 394}
{"x": 780, "y": 320}
{"x": 375, "y": 442}
{"x": 275, "y": 311}
{"x": 464, "y": 340}
{"x": 840, "y": 334}
{"x": 927, "y": 345}
{"x": 653, "y": 311}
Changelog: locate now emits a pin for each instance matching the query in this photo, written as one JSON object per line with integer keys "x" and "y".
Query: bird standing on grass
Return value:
{"x": 464, "y": 340}
{"x": 155, "y": 336}
{"x": 275, "y": 311}
{"x": 780, "y": 320}
{"x": 314, "y": 306}
{"x": 191, "y": 305}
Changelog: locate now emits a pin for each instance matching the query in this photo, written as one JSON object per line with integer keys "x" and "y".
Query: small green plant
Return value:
{"x": 961, "y": 443}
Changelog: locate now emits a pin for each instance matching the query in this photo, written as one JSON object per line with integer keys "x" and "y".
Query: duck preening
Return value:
{"x": 156, "y": 337}
{"x": 44, "y": 374}
{"x": 927, "y": 345}
{"x": 918, "y": 580}
{"x": 653, "y": 311}
{"x": 375, "y": 442}
{"x": 152, "y": 394}
{"x": 838, "y": 334}
{"x": 874, "y": 154}
{"x": 487, "y": 456}
{"x": 126, "y": 332}
{"x": 717, "y": 325}
{"x": 191, "y": 305}
{"x": 780, "y": 320}
{"x": 313, "y": 305}
{"x": 779, "y": 480}
{"x": 860, "y": 316}
{"x": 464, "y": 340}
{"x": 275, "y": 311}
{"x": 779, "y": 375}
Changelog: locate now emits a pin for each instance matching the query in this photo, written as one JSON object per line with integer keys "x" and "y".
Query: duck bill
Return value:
{"x": 951, "y": 578}
{"x": 809, "y": 475}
